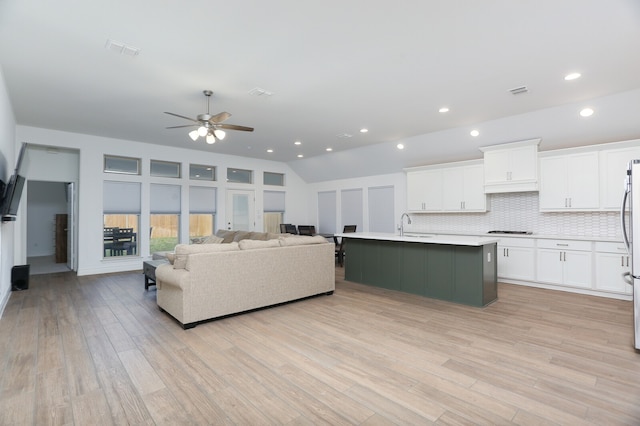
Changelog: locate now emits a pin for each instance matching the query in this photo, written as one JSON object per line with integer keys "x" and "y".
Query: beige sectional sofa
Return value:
{"x": 209, "y": 281}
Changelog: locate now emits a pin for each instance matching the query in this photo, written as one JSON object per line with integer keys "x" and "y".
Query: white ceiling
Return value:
{"x": 333, "y": 66}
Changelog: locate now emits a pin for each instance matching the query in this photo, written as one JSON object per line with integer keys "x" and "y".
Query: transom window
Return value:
{"x": 123, "y": 165}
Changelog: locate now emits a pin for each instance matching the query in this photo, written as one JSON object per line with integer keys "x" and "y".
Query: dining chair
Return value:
{"x": 340, "y": 247}
{"x": 287, "y": 228}
{"x": 306, "y": 230}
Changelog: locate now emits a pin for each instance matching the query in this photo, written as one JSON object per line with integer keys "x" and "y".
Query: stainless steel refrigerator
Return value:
{"x": 631, "y": 235}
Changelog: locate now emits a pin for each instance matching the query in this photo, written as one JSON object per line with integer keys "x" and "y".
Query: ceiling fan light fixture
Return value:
{"x": 210, "y": 139}
{"x": 202, "y": 131}
{"x": 194, "y": 135}
{"x": 220, "y": 134}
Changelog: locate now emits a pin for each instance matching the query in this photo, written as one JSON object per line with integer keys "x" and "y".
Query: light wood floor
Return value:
{"x": 96, "y": 350}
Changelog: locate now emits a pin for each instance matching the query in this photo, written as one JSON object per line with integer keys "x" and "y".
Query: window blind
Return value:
{"x": 165, "y": 199}
{"x": 202, "y": 199}
{"x": 121, "y": 197}
{"x": 274, "y": 201}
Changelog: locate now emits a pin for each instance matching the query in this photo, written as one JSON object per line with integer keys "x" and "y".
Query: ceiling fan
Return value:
{"x": 209, "y": 126}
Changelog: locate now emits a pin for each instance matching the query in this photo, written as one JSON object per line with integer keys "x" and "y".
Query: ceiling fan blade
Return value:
{"x": 177, "y": 127}
{"x": 181, "y": 116}
{"x": 220, "y": 117}
{"x": 235, "y": 127}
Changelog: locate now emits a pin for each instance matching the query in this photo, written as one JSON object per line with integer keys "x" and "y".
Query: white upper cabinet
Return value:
{"x": 613, "y": 168}
{"x": 453, "y": 187}
{"x": 511, "y": 167}
{"x": 463, "y": 189}
{"x": 570, "y": 182}
{"x": 424, "y": 190}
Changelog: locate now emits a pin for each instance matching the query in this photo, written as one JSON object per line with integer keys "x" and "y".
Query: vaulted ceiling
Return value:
{"x": 310, "y": 72}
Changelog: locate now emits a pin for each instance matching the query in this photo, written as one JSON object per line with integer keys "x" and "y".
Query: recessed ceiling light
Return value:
{"x": 400, "y": 146}
{"x": 300, "y": 155}
{"x": 587, "y": 112}
{"x": 474, "y": 133}
{"x": 572, "y": 76}
{"x": 364, "y": 130}
{"x": 269, "y": 150}
{"x": 443, "y": 109}
{"x": 297, "y": 143}
{"x": 329, "y": 149}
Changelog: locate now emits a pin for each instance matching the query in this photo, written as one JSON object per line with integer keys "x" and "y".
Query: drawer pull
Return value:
{"x": 562, "y": 245}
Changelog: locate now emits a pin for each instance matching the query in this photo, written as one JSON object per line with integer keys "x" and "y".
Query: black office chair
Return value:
{"x": 340, "y": 247}
{"x": 306, "y": 230}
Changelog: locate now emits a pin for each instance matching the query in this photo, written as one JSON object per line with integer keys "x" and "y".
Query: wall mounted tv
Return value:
{"x": 11, "y": 199}
{"x": 13, "y": 190}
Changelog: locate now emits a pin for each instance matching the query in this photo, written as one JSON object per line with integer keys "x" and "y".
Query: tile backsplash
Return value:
{"x": 520, "y": 212}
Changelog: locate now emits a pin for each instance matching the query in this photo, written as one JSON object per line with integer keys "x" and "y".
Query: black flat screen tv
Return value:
{"x": 13, "y": 190}
{"x": 11, "y": 199}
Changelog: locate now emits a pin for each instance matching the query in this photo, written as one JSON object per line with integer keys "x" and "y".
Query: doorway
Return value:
{"x": 240, "y": 210}
{"x": 50, "y": 226}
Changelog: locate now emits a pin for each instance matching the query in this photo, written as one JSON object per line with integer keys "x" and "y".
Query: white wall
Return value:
{"x": 90, "y": 182}
{"x": 7, "y": 162}
{"x": 44, "y": 201}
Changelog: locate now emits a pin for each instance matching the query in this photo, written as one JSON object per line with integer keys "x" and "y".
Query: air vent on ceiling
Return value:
{"x": 344, "y": 135}
{"x": 257, "y": 91}
{"x": 519, "y": 90}
{"x": 121, "y": 48}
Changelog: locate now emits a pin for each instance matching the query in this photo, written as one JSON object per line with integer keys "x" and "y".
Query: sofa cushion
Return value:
{"x": 258, "y": 244}
{"x": 298, "y": 240}
{"x": 183, "y": 250}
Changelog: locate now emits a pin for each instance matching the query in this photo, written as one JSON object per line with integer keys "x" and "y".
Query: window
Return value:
{"x": 381, "y": 217}
{"x": 201, "y": 172}
{"x": 239, "y": 175}
{"x": 121, "y": 218}
{"x": 202, "y": 211}
{"x": 276, "y": 179}
{"x": 165, "y": 169}
{"x": 124, "y": 165}
{"x": 165, "y": 217}
{"x": 273, "y": 210}
{"x": 352, "y": 207}
{"x": 327, "y": 206}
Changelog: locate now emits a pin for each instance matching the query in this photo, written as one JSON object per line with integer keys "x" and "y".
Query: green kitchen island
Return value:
{"x": 455, "y": 268}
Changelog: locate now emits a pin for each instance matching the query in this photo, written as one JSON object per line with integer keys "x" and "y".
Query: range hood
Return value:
{"x": 511, "y": 167}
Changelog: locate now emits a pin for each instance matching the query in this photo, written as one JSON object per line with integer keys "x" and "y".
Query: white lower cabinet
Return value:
{"x": 516, "y": 259}
{"x": 612, "y": 262}
{"x": 564, "y": 262}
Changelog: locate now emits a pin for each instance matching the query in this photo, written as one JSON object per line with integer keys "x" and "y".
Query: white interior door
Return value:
{"x": 240, "y": 210}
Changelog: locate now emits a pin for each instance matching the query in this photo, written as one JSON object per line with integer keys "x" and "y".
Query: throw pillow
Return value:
{"x": 227, "y": 235}
{"x": 171, "y": 257}
{"x": 212, "y": 239}
{"x": 241, "y": 235}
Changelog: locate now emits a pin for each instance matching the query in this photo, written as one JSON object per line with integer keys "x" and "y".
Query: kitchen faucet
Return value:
{"x": 402, "y": 222}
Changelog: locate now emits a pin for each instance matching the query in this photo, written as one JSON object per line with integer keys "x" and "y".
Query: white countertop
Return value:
{"x": 500, "y": 236}
{"x": 458, "y": 240}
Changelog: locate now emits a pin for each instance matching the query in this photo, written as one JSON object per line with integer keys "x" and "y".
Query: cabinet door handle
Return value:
{"x": 569, "y": 202}
{"x": 560, "y": 256}
{"x": 565, "y": 256}
{"x": 627, "y": 260}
